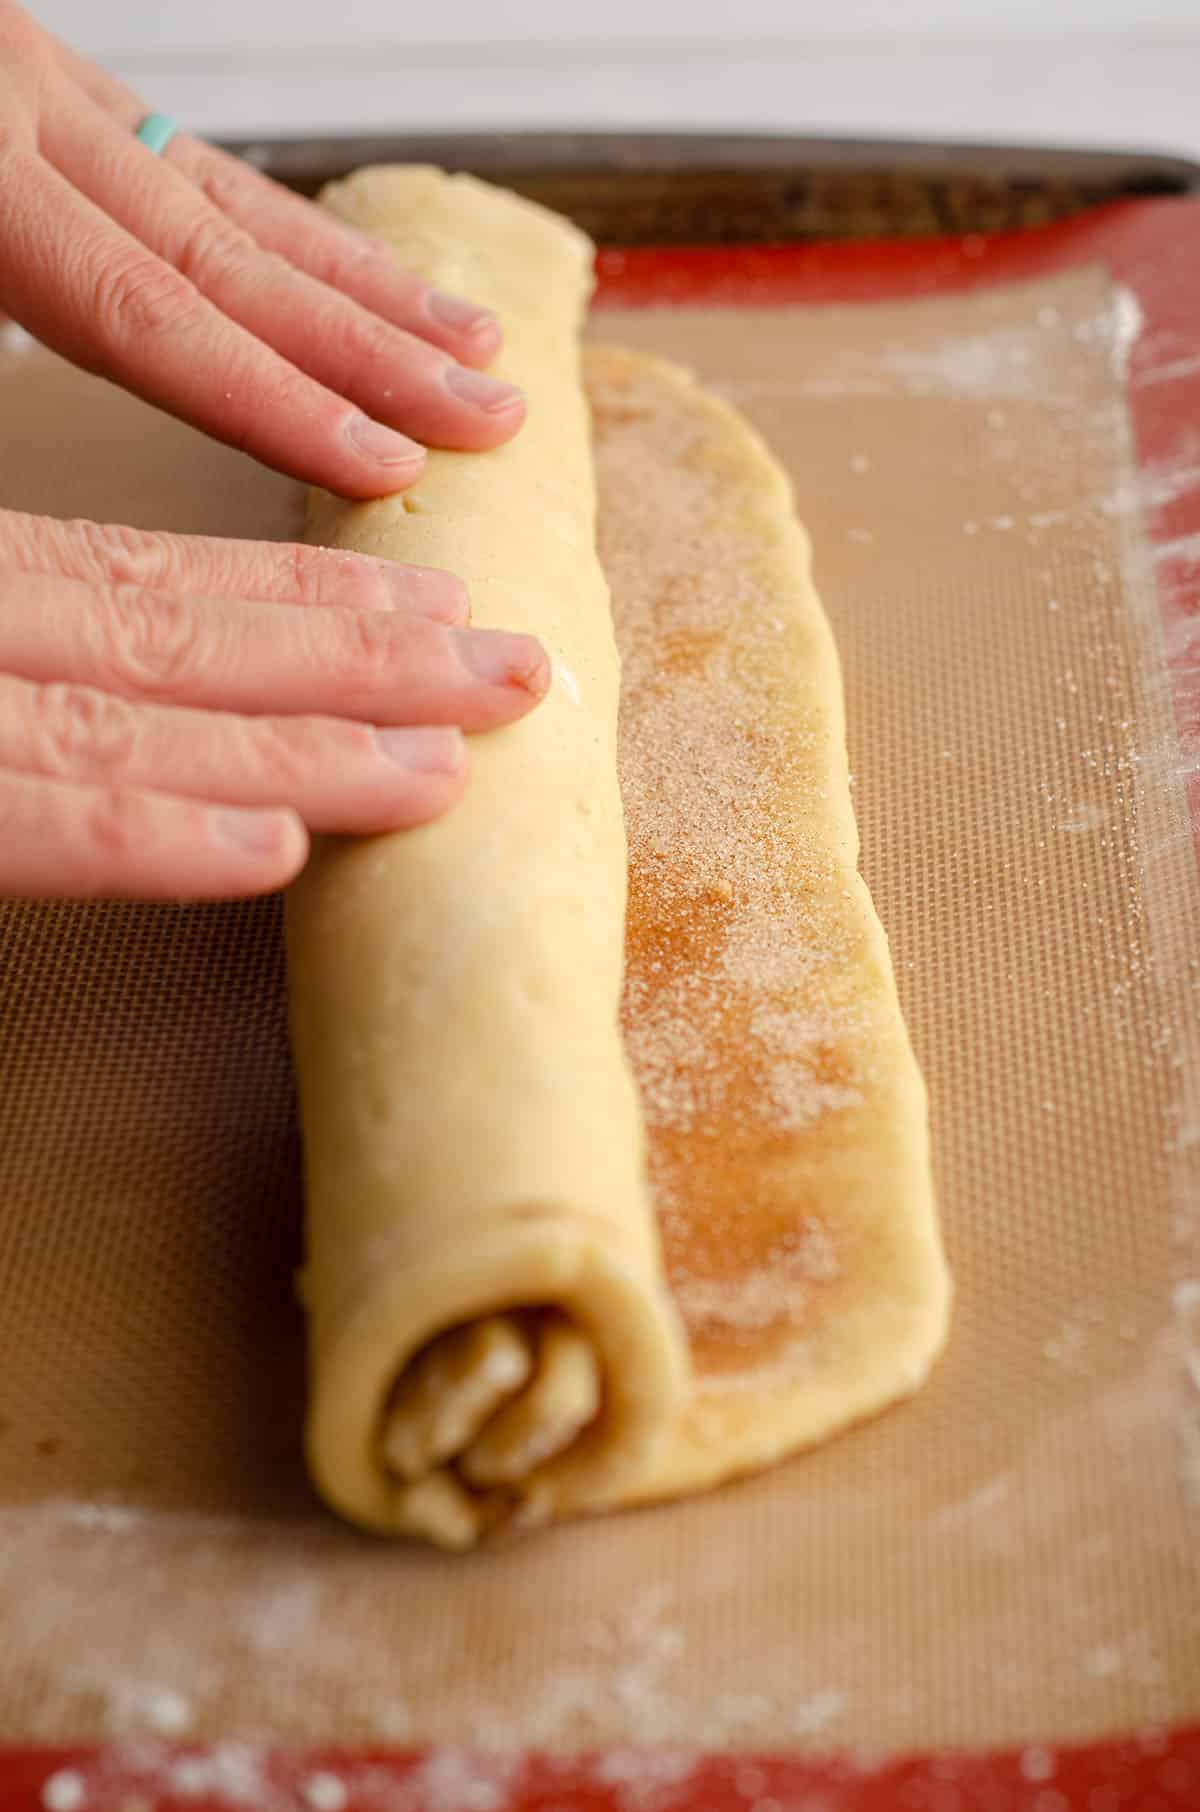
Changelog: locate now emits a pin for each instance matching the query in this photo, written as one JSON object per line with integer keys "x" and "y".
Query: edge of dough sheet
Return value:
{"x": 886, "y": 1339}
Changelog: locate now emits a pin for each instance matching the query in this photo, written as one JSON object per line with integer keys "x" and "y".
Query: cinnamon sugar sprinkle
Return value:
{"x": 745, "y": 1035}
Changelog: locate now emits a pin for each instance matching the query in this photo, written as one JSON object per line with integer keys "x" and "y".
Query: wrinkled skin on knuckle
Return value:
{"x": 336, "y": 576}
{"x": 369, "y": 650}
{"x": 139, "y": 298}
{"x": 353, "y": 255}
{"x": 308, "y": 574}
{"x": 223, "y": 186}
{"x": 287, "y": 393}
{"x": 117, "y": 555}
{"x": 116, "y": 825}
{"x": 81, "y": 731}
{"x": 286, "y": 753}
{"x": 364, "y": 342}
{"x": 212, "y": 249}
{"x": 272, "y": 268}
{"x": 22, "y": 539}
{"x": 155, "y": 642}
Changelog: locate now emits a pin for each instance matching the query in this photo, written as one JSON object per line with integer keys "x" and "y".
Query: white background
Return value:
{"x": 1092, "y": 72}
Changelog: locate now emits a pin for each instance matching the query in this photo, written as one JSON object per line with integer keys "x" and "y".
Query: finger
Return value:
{"x": 59, "y": 840}
{"x": 351, "y": 262}
{"x": 395, "y": 376}
{"x": 26, "y": 59}
{"x": 92, "y": 292}
{"x": 342, "y": 777}
{"x": 380, "y": 666}
{"x": 204, "y": 566}
{"x": 99, "y": 83}
{"x": 328, "y": 249}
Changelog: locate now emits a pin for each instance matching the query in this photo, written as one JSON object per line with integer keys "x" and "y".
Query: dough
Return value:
{"x": 492, "y": 1338}
{"x": 480, "y": 1235}
{"x": 787, "y": 1118}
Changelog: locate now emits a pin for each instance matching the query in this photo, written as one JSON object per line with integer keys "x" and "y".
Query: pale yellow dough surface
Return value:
{"x": 474, "y": 1149}
{"x": 471, "y": 1131}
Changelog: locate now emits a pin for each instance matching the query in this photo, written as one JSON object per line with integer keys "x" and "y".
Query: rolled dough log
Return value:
{"x": 491, "y": 1337}
{"x": 473, "y": 1143}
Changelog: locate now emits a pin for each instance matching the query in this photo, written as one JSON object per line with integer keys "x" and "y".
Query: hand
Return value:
{"x": 198, "y": 284}
{"x": 175, "y": 710}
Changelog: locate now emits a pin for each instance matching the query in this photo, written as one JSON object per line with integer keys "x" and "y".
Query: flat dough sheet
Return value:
{"x": 786, "y": 1113}
{"x": 473, "y": 1154}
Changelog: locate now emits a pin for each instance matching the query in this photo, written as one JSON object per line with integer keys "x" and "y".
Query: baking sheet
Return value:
{"x": 1012, "y": 1557}
{"x": 693, "y": 188}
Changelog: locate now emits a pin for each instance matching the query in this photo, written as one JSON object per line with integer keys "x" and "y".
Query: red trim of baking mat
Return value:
{"x": 1152, "y": 247}
{"x": 1155, "y": 1772}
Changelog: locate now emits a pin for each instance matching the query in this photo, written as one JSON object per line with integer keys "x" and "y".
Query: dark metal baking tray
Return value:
{"x": 676, "y": 188}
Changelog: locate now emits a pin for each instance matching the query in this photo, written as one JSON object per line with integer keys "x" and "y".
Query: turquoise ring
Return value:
{"x": 156, "y": 131}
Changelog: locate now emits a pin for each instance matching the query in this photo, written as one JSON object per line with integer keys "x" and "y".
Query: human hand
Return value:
{"x": 200, "y": 285}
{"x": 174, "y": 710}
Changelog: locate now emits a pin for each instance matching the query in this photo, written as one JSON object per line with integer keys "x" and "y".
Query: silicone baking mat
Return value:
{"x": 994, "y": 443}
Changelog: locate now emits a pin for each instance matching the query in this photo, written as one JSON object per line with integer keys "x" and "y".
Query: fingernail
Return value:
{"x": 383, "y": 445}
{"x": 452, "y": 311}
{"x": 481, "y": 391}
{"x": 503, "y": 659}
{"x": 431, "y": 592}
{"x": 424, "y": 751}
{"x": 261, "y": 833}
